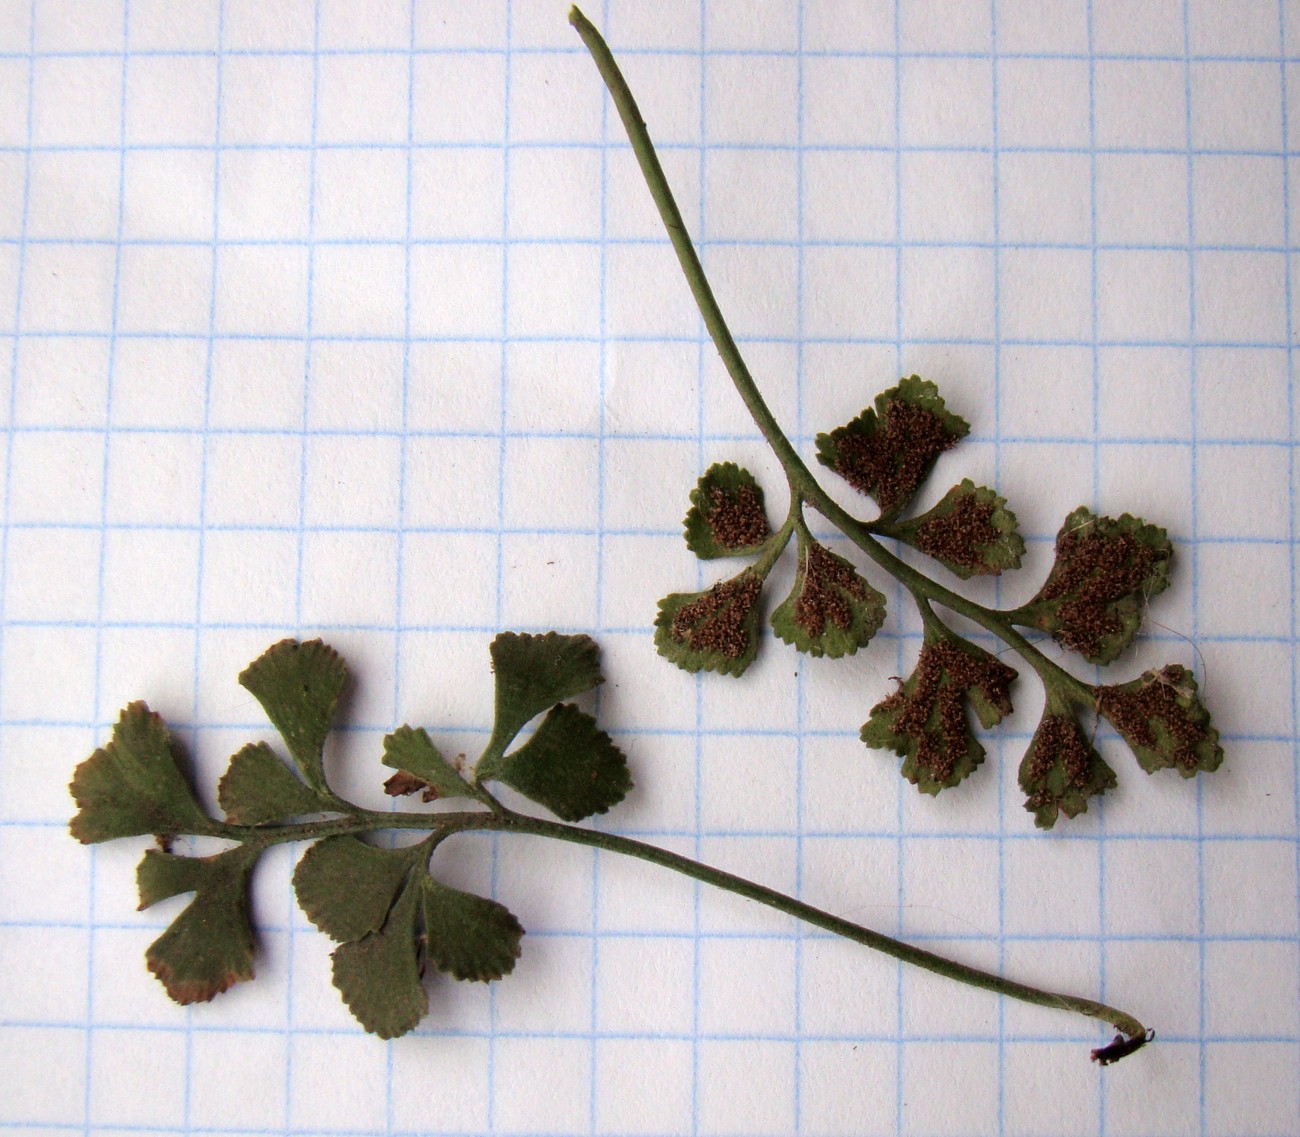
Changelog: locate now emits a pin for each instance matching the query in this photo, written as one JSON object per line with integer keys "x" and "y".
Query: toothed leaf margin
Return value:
{"x": 1061, "y": 770}
{"x": 1161, "y": 716}
{"x": 727, "y": 517}
{"x": 534, "y": 672}
{"x": 889, "y": 449}
{"x": 1105, "y": 571}
{"x": 969, "y": 531}
{"x": 209, "y": 947}
{"x": 568, "y": 765}
{"x": 135, "y": 785}
{"x": 258, "y": 788}
{"x": 410, "y": 749}
{"x": 831, "y": 610}
{"x": 925, "y": 723}
{"x": 346, "y": 887}
{"x": 714, "y": 630}
{"x": 298, "y": 685}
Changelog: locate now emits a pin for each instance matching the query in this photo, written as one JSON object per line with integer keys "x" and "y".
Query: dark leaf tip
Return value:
{"x": 1121, "y": 1047}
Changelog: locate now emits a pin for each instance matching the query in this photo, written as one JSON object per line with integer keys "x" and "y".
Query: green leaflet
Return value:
{"x": 1161, "y": 717}
{"x": 209, "y": 946}
{"x": 298, "y": 685}
{"x": 468, "y": 936}
{"x": 258, "y": 788}
{"x": 1061, "y": 769}
{"x": 568, "y": 765}
{"x": 969, "y": 531}
{"x": 346, "y": 887}
{"x": 388, "y": 915}
{"x": 831, "y": 610}
{"x": 379, "y": 974}
{"x": 726, "y": 518}
{"x": 134, "y": 785}
{"x": 533, "y": 673}
{"x": 410, "y": 749}
{"x": 924, "y": 721}
{"x": 889, "y": 449}
{"x": 714, "y": 630}
{"x": 1105, "y": 571}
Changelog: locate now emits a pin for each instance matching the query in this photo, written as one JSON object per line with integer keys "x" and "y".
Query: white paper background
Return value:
{"x": 356, "y": 320}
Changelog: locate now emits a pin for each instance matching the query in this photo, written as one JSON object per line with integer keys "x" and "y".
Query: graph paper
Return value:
{"x": 356, "y": 320}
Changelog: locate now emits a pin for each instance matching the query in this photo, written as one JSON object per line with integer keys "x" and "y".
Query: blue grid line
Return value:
{"x": 584, "y": 934}
{"x": 598, "y": 242}
{"x": 900, "y": 1017}
{"x": 388, "y": 530}
{"x": 1195, "y": 607}
{"x": 749, "y": 733}
{"x": 668, "y": 146}
{"x": 800, "y": 685}
{"x": 507, "y": 142}
{"x": 1100, "y": 441}
{"x": 701, "y": 350}
{"x": 400, "y": 572}
{"x": 308, "y": 340}
{"x": 208, "y": 371}
{"x": 847, "y": 833}
{"x": 999, "y": 748}
{"x": 1291, "y": 463}
{"x": 630, "y": 50}
{"x": 1016, "y": 1038}
{"x": 1080, "y": 1037}
{"x": 602, "y": 368}
{"x": 1094, "y": 288}
{"x": 114, "y": 310}
{"x": 778, "y": 341}
{"x": 12, "y": 400}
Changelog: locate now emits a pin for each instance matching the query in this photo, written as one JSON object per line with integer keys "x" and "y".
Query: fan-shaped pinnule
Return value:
{"x": 727, "y": 517}
{"x": 831, "y": 610}
{"x": 1061, "y": 769}
{"x": 890, "y": 448}
{"x": 713, "y": 630}
{"x": 970, "y": 531}
{"x": 925, "y": 721}
{"x": 1161, "y": 716}
{"x": 1106, "y": 569}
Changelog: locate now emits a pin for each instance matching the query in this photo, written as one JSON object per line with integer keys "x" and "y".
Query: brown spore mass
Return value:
{"x": 1057, "y": 740}
{"x": 1131, "y": 712}
{"x": 715, "y": 620}
{"x": 943, "y": 675}
{"x": 826, "y": 579}
{"x": 889, "y": 464}
{"x": 737, "y": 519}
{"x": 958, "y": 536}
{"x": 1094, "y": 570}
{"x": 403, "y": 783}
